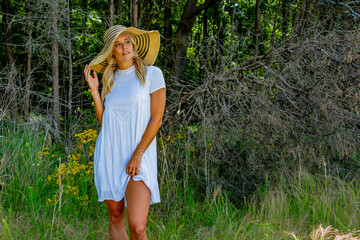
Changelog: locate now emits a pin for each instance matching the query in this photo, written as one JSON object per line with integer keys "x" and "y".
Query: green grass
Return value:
{"x": 291, "y": 205}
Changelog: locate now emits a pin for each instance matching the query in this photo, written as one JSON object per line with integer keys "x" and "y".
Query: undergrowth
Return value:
{"x": 47, "y": 194}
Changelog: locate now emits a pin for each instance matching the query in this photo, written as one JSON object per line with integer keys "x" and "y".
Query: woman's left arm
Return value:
{"x": 157, "y": 106}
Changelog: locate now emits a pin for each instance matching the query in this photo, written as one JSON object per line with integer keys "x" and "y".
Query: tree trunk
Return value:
{"x": 83, "y": 52}
{"x": 111, "y": 13}
{"x": 216, "y": 28}
{"x": 222, "y": 21}
{"x": 142, "y": 7}
{"x": 284, "y": 24}
{"x": 135, "y": 18}
{"x": 55, "y": 75}
{"x": 70, "y": 71}
{"x": 149, "y": 14}
{"x": 29, "y": 60}
{"x": 70, "y": 60}
{"x": 299, "y": 22}
{"x": 167, "y": 33}
{"x": 232, "y": 32}
{"x": 167, "y": 25}
{"x": 183, "y": 32}
{"x": 275, "y": 26}
{"x": 205, "y": 56}
{"x": 257, "y": 31}
{"x": 10, "y": 62}
{"x": 118, "y": 10}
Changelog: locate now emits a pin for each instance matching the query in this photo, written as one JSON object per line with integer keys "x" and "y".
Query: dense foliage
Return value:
{"x": 258, "y": 92}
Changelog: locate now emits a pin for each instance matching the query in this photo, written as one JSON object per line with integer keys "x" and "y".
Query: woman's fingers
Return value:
{"x": 134, "y": 173}
{"x": 93, "y": 82}
{"x": 132, "y": 170}
{"x": 87, "y": 73}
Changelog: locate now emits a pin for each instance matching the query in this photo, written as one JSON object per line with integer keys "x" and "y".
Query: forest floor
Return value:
{"x": 45, "y": 197}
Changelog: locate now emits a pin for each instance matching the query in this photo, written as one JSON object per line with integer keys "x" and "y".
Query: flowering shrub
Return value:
{"x": 87, "y": 136}
{"x": 42, "y": 153}
{"x": 74, "y": 178}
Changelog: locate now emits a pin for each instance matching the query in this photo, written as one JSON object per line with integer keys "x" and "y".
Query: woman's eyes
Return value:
{"x": 126, "y": 43}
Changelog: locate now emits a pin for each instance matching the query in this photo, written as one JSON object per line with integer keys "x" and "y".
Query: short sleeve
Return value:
{"x": 156, "y": 79}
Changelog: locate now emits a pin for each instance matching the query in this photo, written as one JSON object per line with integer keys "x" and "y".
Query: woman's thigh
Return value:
{"x": 116, "y": 209}
{"x": 138, "y": 202}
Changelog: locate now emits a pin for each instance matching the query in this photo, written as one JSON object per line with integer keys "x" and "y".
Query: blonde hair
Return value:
{"x": 108, "y": 76}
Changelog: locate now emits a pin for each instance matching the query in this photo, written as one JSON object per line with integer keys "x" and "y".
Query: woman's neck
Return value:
{"x": 125, "y": 65}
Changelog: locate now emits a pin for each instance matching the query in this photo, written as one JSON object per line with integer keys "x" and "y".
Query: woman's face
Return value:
{"x": 123, "y": 49}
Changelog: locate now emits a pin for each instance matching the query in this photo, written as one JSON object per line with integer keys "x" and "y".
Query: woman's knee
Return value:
{"x": 117, "y": 216}
{"x": 116, "y": 212}
{"x": 138, "y": 229}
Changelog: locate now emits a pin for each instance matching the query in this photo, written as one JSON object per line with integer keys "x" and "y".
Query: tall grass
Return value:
{"x": 288, "y": 209}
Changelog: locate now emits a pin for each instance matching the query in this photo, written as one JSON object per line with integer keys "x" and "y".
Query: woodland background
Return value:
{"x": 260, "y": 136}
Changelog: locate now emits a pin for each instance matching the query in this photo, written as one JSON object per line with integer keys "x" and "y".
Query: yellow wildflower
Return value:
{"x": 48, "y": 202}
{"x": 87, "y": 136}
{"x": 46, "y": 153}
{"x": 91, "y": 151}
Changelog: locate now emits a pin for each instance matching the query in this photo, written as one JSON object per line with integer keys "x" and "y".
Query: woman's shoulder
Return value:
{"x": 155, "y": 77}
{"x": 153, "y": 69}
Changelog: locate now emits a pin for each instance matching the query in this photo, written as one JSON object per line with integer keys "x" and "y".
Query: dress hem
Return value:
{"x": 101, "y": 200}
{"x": 123, "y": 197}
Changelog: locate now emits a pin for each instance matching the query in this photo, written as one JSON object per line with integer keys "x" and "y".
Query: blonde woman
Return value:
{"x": 130, "y": 110}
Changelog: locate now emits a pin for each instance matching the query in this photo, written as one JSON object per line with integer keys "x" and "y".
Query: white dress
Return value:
{"x": 125, "y": 118}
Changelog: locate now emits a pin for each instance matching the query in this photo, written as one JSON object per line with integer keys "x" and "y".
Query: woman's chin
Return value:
{"x": 126, "y": 58}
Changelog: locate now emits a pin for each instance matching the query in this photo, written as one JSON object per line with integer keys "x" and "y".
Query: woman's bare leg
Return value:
{"x": 116, "y": 211}
{"x": 138, "y": 204}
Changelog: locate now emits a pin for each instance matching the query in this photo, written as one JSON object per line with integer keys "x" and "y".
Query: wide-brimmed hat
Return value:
{"x": 148, "y": 44}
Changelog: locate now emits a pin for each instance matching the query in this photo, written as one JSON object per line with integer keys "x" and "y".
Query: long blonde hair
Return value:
{"x": 108, "y": 76}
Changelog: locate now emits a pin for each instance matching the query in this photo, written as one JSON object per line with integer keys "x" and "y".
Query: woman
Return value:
{"x": 130, "y": 110}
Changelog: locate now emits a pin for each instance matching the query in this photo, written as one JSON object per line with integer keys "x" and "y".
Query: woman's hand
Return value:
{"x": 133, "y": 166}
{"x": 92, "y": 81}
{"x": 94, "y": 86}
{"x": 157, "y": 106}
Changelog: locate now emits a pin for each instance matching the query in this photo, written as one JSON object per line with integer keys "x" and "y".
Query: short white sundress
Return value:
{"x": 125, "y": 118}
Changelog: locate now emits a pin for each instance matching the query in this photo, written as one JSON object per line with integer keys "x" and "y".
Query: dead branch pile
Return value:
{"x": 300, "y": 111}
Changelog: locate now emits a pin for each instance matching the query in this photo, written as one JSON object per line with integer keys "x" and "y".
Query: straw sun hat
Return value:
{"x": 148, "y": 44}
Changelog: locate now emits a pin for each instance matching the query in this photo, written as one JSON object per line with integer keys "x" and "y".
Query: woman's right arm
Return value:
{"x": 94, "y": 86}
